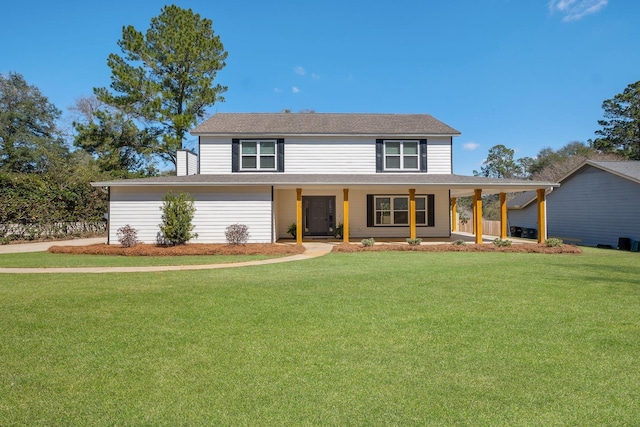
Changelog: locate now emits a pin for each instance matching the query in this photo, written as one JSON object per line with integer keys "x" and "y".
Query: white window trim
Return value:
{"x": 402, "y": 155}
{"x": 391, "y": 210}
{"x": 257, "y": 155}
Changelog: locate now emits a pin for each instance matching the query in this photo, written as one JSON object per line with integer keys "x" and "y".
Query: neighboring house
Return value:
{"x": 596, "y": 204}
{"x": 380, "y": 175}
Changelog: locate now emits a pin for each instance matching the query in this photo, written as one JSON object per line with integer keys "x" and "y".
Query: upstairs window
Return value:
{"x": 257, "y": 155}
{"x": 401, "y": 155}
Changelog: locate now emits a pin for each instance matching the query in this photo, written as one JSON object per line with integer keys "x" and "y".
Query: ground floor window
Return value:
{"x": 393, "y": 210}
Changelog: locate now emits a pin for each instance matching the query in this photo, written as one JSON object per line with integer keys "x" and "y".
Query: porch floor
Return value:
{"x": 467, "y": 237}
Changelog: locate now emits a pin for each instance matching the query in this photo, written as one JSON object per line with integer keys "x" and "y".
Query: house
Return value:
{"x": 597, "y": 204}
{"x": 377, "y": 175}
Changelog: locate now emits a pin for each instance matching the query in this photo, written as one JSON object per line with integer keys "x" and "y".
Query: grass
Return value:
{"x": 346, "y": 339}
{"x": 46, "y": 259}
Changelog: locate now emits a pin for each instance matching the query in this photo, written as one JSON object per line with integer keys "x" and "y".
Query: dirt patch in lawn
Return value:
{"x": 190, "y": 249}
{"x": 524, "y": 248}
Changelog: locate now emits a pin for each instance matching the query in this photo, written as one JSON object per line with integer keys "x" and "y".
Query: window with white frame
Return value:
{"x": 394, "y": 210}
{"x": 258, "y": 155}
{"x": 401, "y": 155}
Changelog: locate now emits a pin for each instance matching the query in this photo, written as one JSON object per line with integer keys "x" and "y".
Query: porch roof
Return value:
{"x": 459, "y": 185}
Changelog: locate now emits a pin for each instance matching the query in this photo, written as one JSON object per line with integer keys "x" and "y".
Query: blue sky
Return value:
{"x": 524, "y": 73}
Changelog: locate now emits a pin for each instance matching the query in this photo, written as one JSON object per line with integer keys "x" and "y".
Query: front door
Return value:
{"x": 319, "y": 215}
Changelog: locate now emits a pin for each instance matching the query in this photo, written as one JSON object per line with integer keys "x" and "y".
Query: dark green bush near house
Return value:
{"x": 459, "y": 242}
{"x": 339, "y": 231}
{"x": 177, "y": 214}
{"x": 414, "y": 242}
{"x": 292, "y": 230}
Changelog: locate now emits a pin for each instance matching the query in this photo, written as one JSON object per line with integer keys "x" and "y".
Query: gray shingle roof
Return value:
{"x": 323, "y": 124}
{"x": 626, "y": 169}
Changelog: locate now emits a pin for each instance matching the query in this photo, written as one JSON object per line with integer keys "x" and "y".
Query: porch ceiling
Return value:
{"x": 459, "y": 185}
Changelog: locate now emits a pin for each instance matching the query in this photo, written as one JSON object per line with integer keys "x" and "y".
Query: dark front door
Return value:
{"x": 319, "y": 215}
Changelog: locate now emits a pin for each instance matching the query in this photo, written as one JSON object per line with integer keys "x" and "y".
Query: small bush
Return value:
{"x": 368, "y": 242}
{"x": 127, "y": 236}
{"x": 339, "y": 231}
{"x": 293, "y": 229}
{"x": 459, "y": 242}
{"x": 237, "y": 234}
{"x": 553, "y": 242}
{"x": 414, "y": 242}
{"x": 501, "y": 243}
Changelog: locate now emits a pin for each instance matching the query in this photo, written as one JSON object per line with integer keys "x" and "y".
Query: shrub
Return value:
{"x": 501, "y": 243}
{"x": 368, "y": 242}
{"x": 553, "y": 242}
{"x": 339, "y": 231}
{"x": 414, "y": 242}
{"x": 459, "y": 242}
{"x": 237, "y": 234}
{"x": 177, "y": 214}
{"x": 127, "y": 236}
{"x": 293, "y": 229}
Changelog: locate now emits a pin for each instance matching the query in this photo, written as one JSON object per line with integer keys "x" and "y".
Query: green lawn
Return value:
{"x": 46, "y": 259}
{"x": 346, "y": 339}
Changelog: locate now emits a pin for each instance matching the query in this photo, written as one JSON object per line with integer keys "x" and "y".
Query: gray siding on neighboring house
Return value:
{"x": 591, "y": 207}
{"x": 524, "y": 218}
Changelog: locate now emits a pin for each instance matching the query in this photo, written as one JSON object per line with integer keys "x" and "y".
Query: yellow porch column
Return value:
{"x": 473, "y": 213}
{"x": 299, "y": 227}
{"x": 454, "y": 214}
{"x": 412, "y": 213}
{"x": 503, "y": 215}
{"x": 345, "y": 224}
{"x": 477, "y": 198}
{"x": 542, "y": 216}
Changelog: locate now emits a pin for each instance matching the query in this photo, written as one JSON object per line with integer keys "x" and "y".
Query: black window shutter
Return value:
{"x": 235, "y": 155}
{"x": 431, "y": 217}
{"x": 379, "y": 156}
{"x": 423, "y": 155}
{"x": 280, "y": 154}
{"x": 370, "y": 211}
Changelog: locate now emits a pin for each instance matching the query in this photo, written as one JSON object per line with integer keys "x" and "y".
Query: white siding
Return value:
{"x": 323, "y": 155}
{"x": 330, "y": 156}
{"x": 285, "y": 202}
{"x": 216, "y": 209}
{"x": 186, "y": 163}
{"x": 439, "y": 155}
{"x": 181, "y": 163}
{"x": 215, "y": 155}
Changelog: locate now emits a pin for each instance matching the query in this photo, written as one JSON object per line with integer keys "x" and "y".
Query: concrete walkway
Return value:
{"x": 312, "y": 250}
{"x": 43, "y": 246}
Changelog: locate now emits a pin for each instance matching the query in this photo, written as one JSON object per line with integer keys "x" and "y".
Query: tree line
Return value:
{"x": 162, "y": 83}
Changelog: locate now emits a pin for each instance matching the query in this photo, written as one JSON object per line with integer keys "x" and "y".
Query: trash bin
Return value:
{"x": 515, "y": 231}
{"x": 624, "y": 243}
{"x": 530, "y": 233}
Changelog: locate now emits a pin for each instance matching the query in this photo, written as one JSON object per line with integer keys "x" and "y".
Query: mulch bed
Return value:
{"x": 522, "y": 248}
{"x": 189, "y": 249}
